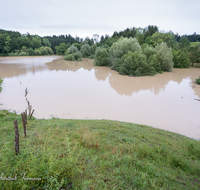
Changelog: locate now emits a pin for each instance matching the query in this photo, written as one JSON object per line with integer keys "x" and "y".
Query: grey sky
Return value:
{"x": 86, "y": 17}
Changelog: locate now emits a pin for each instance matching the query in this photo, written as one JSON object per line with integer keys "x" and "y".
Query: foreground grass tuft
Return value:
{"x": 96, "y": 154}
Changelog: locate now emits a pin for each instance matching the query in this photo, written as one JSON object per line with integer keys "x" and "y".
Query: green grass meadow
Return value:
{"x": 96, "y": 154}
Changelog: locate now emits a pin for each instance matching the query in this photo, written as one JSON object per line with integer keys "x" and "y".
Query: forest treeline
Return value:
{"x": 149, "y": 45}
{"x": 15, "y": 43}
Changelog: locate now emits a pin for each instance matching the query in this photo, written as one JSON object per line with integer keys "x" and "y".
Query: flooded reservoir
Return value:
{"x": 80, "y": 90}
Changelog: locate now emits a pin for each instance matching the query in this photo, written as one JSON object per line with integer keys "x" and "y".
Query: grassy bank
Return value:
{"x": 91, "y": 154}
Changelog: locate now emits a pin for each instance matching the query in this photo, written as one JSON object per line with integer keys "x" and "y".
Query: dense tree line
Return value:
{"x": 15, "y": 42}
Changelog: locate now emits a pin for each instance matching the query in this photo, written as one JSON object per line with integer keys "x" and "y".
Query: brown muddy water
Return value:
{"x": 80, "y": 90}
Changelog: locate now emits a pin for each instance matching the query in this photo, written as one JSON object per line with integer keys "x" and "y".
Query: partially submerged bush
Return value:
{"x": 198, "y": 80}
{"x": 152, "y": 58}
{"x": 23, "y": 54}
{"x": 149, "y": 51}
{"x": 135, "y": 64}
{"x": 181, "y": 59}
{"x": 26, "y": 52}
{"x": 86, "y": 50}
{"x": 101, "y": 57}
{"x": 153, "y": 61}
{"x": 60, "y": 50}
{"x": 13, "y": 54}
{"x": 74, "y": 56}
{"x": 0, "y": 83}
{"x": 126, "y": 57}
{"x": 122, "y": 47}
{"x": 69, "y": 57}
{"x": 91, "y": 57}
{"x": 37, "y": 52}
{"x": 45, "y": 50}
{"x": 165, "y": 57}
{"x": 71, "y": 50}
{"x": 194, "y": 54}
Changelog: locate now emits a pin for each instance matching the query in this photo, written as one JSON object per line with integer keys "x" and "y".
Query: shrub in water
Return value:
{"x": 152, "y": 59}
{"x": 181, "y": 59}
{"x": 165, "y": 56}
{"x": 198, "y": 80}
{"x": 23, "y": 54}
{"x": 46, "y": 50}
{"x": 13, "y": 54}
{"x": 135, "y": 64}
{"x": 77, "y": 56}
{"x": 91, "y": 57}
{"x": 49, "y": 50}
{"x": 0, "y": 83}
{"x": 86, "y": 50}
{"x": 71, "y": 50}
{"x": 43, "y": 51}
{"x": 122, "y": 47}
{"x": 37, "y": 52}
{"x": 101, "y": 57}
{"x": 31, "y": 51}
{"x": 69, "y": 57}
{"x": 74, "y": 56}
{"x": 194, "y": 54}
{"x": 149, "y": 51}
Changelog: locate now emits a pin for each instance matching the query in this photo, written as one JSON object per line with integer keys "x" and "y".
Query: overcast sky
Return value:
{"x": 87, "y": 17}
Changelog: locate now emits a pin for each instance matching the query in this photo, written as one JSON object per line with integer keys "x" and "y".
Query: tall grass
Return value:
{"x": 96, "y": 154}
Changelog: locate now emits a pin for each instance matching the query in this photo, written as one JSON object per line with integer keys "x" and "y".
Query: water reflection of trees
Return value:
{"x": 125, "y": 85}
{"x": 64, "y": 65}
{"x": 14, "y": 70}
{"x": 101, "y": 73}
{"x": 16, "y": 66}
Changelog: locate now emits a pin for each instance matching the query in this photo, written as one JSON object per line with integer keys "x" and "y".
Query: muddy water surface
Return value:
{"x": 80, "y": 90}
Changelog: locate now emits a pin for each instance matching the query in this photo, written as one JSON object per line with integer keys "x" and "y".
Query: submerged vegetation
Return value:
{"x": 198, "y": 80}
{"x": 0, "y": 84}
{"x": 96, "y": 154}
{"x": 73, "y": 54}
{"x": 26, "y": 52}
{"x": 128, "y": 58}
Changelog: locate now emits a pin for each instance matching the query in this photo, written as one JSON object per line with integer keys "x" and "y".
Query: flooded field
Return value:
{"x": 80, "y": 90}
